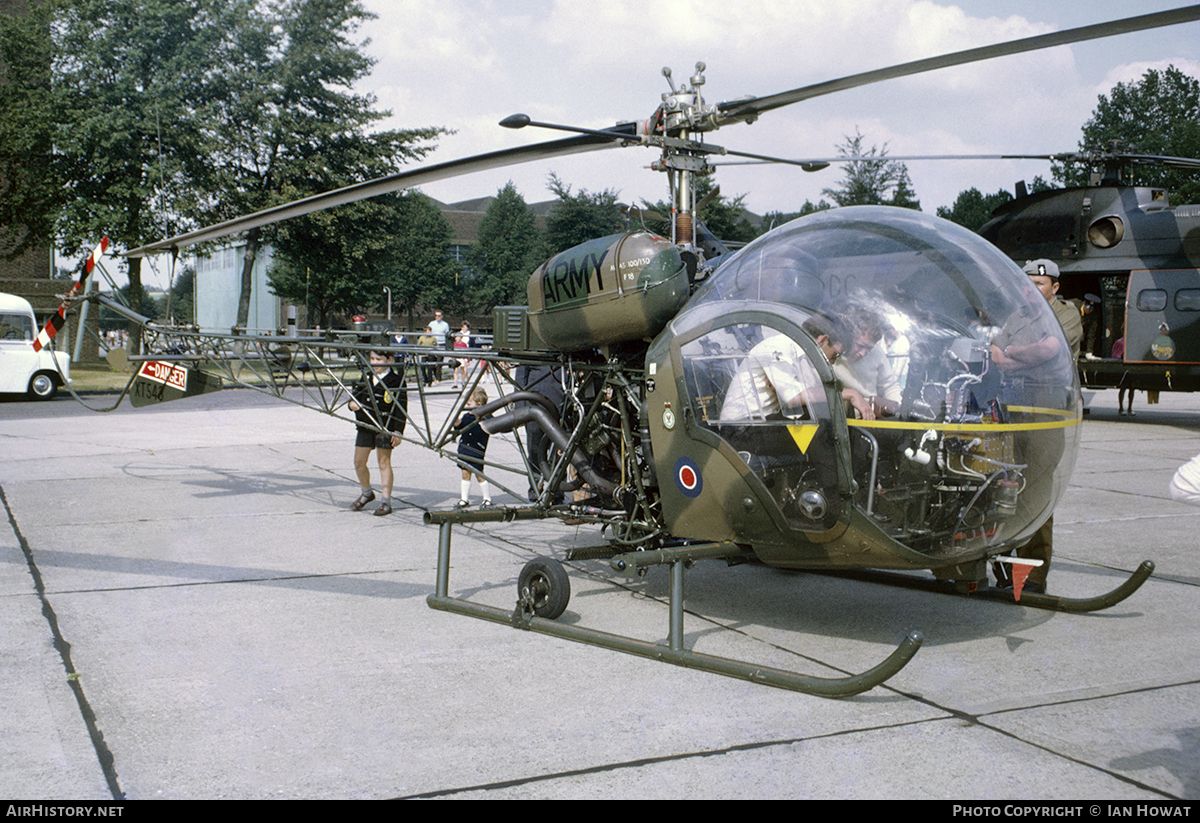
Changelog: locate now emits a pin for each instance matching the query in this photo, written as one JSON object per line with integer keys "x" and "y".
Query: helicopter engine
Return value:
{"x": 960, "y": 476}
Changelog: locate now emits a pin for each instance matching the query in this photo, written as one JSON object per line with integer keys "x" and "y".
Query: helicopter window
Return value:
{"x": 757, "y": 389}
{"x": 749, "y": 372}
{"x": 1187, "y": 300}
{"x": 916, "y": 272}
{"x": 774, "y": 381}
{"x": 1151, "y": 300}
{"x": 710, "y": 364}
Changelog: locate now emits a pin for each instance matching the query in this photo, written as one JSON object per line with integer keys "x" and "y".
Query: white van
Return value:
{"x": 23, "y": 370}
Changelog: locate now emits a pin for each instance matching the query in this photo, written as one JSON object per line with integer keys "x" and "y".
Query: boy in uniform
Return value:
{"x": 472, "y": 446}
{"x": 380, "y": 401}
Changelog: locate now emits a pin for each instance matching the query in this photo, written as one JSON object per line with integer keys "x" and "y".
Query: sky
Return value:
{"x": 466, "y": 64}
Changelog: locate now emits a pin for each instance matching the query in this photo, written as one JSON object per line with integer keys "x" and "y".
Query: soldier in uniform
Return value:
{"x": 1023, "y": 344}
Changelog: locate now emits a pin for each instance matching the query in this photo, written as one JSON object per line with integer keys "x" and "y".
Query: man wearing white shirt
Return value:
{"x": 865, "y": 366}
{"x": 440, "y": 328}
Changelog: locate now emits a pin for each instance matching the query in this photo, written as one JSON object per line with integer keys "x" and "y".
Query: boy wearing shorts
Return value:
{"x": 472, "y": 446}
{"x": 378, "y": 402}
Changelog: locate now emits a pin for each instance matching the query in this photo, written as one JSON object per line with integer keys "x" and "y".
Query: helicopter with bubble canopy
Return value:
{"x": 685, "y": 399}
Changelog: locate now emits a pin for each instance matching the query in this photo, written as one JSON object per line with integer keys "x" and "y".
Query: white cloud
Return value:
{"x": 466, "y": 65}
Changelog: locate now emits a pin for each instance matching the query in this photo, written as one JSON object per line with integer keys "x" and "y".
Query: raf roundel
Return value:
{"x": 688, "y": 477}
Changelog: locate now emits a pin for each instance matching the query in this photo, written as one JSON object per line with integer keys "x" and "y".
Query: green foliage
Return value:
{"x": 127, "y": 80}
{"x": 29, "y": 192}
{"x": 972, "y": 208}
{"x": 872, "y": 182}
{"x": 1040, "y": 184}
{"x": 421, "y": 270}
{"x": 290, "y": 126}
{"x": 1159, "y": 114}
{"x": 725, "y": 218}
{"x": 167, "y": 113}
{"x": 777, "y": 218}
{"x": 339, "y": 261}
{"x": 903, "y": 195}
{"x": 506, "y": 253}
{"x": 181, "y": 307}
{"x": 577, "y": 218}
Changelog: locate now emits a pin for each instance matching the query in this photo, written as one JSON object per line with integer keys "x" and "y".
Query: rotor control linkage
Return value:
{"x": 542, "y": 575}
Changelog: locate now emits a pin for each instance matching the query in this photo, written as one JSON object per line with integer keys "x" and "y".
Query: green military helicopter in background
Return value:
{"x": 683, "y": 398}
{"x": 1129, "y": 253}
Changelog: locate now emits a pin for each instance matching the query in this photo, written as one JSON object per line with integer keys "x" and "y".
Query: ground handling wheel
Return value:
{"x": 544, "y": 587}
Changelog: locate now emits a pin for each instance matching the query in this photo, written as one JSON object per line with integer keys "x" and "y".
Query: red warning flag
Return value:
{"x": 1020, "y": 571}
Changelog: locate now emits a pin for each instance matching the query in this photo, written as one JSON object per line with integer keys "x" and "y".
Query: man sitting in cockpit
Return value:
{"x": 778, "y": 381}
{"x": 865, "y": 367}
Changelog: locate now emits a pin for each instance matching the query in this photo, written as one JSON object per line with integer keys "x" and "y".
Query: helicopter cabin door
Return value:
{"x": 761, "y": 410}
{"x": 1162, "y": 316}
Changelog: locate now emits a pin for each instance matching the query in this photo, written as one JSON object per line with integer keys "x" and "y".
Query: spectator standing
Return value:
{"x": 472, "y": 447}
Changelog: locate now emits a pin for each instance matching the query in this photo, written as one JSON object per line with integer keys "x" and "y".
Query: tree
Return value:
{"x": 972, "y": 208}
{"x": 725, "y": 218}
{"x": 777, "y": 218}
{"x": 507, "y": 250}
{"x": 290, "y": 127}
{"x": 164, "y": 113}
{"x": 873, "y": 182}
{"x": 1159, "y": 114}
{"x": 338, "y": 261}
{"x": 577, "y": 218}
{"x": 181, "y": 303}
{"x": 116, "y": 85}
{"x": 903, "y": 195}
{"x": 29, "y": 193}
{"x": 421, "y": 270}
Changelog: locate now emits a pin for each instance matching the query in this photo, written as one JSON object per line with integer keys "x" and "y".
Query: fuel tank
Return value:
{"x": 612, "y": 289}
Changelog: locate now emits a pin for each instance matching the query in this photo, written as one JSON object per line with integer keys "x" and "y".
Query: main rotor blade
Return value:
{"x": 383, "y": 185}
{"x": 1183, "y": 163}
{"x": 861, "y": 158}
{"x": 1095, "y": 158}
{"x": 735, "y": 110}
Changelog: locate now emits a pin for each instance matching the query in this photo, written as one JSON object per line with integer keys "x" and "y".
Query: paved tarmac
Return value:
{"x": 188, "y": 610}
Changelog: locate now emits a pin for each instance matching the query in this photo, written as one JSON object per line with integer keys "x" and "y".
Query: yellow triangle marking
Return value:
{"x": 803, "y": 435}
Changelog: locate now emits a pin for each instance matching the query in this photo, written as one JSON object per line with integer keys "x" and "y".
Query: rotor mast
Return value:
{"x": 683, "y": 115}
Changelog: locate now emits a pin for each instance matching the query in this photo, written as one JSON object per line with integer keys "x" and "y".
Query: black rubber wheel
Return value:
{"x": 547, "y": 582}
{"x": 43, "y": 386}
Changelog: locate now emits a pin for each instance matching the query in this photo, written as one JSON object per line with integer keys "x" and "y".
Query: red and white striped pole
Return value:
{"x": 59, "y": 318}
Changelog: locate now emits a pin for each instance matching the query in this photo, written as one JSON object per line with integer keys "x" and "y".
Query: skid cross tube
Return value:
{"x": 673, "y": 651}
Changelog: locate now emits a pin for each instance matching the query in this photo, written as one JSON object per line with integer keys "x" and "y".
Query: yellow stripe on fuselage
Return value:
{"x": 1065, "y": 419}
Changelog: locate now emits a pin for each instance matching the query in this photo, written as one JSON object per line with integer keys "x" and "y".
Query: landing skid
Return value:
{"x": 538, "y": 591}
{"x": 1036, "y": 601}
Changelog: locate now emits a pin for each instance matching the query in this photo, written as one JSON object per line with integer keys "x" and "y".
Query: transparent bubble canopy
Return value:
{"x": 976, "y": 391}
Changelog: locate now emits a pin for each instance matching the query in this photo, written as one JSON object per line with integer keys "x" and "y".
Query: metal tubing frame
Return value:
{"x": 673, "y": 652}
